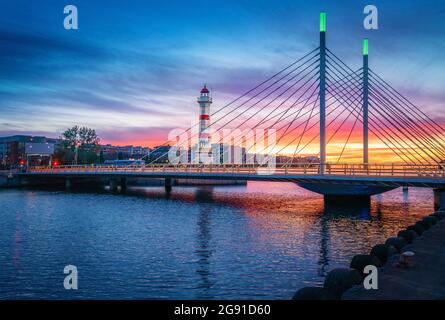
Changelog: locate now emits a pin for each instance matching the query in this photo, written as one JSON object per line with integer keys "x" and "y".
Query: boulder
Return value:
{"x": 383, "y": 252}
{"x": 418, "y": 228}
{"x": 360, "y": 261}
{"x": 426, "y": 225}
{"x": 339, "y": 280}
{"x": 408, "y": 235}
{"x": 439, "y": 215}
{"x": 431, "y": 220}
{"x": 397, "y": 242}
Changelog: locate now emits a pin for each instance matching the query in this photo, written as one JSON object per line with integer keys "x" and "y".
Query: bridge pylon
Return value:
{"x": 322, "y": 92}
{"x": 365, "y": 101}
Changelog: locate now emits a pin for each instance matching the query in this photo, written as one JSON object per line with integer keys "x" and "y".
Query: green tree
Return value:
{"x": 80, "y": 144}
{"x": 80, "y": 136}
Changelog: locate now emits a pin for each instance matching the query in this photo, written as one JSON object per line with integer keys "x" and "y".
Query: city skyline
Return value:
{"x": 134, "y": 80}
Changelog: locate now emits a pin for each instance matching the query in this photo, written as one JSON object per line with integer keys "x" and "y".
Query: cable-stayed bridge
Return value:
{"x": 316, "y": 100}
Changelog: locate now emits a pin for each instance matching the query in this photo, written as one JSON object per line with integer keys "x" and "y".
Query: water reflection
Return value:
{"x": 360, "y": 207}
{"x": 204, "y": 194}
{"x": 378, "y": 204}
{"x": 263, "y": 240}
{"x": 323, "y": 261}
{"x": 405, "y": 202}
{"x": 335, "y": 209}
{"x": 203, "y": 238}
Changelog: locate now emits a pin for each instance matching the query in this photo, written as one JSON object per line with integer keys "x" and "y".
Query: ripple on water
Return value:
{"x": 260, "y": 241}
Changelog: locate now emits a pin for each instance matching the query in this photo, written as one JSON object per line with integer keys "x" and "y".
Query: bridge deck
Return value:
{"x": 375, "y": 175}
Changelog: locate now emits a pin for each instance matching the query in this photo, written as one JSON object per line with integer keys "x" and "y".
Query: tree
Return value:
{"x": 81, "y": 144}
{"x": 80, "y": 136}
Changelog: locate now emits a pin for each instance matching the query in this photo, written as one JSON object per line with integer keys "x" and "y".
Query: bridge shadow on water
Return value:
{"x": 200, "y": 194}
{"x": 358, "y": 207}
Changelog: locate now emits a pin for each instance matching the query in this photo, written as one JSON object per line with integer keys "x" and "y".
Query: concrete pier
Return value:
{"x": 9, "y": 181}
{"x": 168, "y": 185}
{"x": 346, "y": 190}
{"x": 348, "y": 204}
{"x": 13, "y": 182}
{"x": 68, "y": 183}
{"x": 439, "y": 198}
{"x": 424, "y": 280}
{"x": 124, "y": 184}
{"x": 113, "y": 185}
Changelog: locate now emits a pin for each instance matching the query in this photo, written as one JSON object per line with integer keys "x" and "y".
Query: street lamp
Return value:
{"x": 76, "y": 152}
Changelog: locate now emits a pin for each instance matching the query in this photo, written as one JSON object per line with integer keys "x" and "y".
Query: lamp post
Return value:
{"x": 76, "y": 152}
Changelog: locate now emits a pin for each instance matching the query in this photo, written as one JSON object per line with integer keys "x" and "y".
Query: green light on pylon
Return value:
{"x": 365, "y": 47}
{"x": 322, "y": 21}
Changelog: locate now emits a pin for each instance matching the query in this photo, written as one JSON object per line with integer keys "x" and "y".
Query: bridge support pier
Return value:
{"x": 68, "y": 183}
{"x": 13, "y": 182}
{"x": 348, "y": 204}
{"x": 123, "y": 184}
{"x": 113, "y": 185}
{"x": 439, "y": 198}
{"x": 168, "y": 185}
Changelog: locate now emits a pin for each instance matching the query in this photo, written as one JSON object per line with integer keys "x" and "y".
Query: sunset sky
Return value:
{"x": 133, "y": 70}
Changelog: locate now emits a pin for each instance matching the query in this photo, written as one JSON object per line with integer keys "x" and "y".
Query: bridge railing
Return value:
{"x": 394, "y": 170}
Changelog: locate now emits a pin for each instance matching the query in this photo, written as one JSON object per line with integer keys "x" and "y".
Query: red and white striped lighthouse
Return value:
{"x": 205, "y": 148}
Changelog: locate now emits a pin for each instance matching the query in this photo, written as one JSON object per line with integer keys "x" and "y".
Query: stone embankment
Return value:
{"x": 423, "y": 278}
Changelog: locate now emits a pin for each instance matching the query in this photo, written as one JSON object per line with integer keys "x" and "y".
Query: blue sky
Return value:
{"x": 134, "y": 68}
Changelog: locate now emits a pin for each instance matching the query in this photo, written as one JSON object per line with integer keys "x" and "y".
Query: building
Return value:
{"x": 159, "y": 154}
{"x": 228, "y": 154}
{"x": 297, "y": 160}
{"x": 39, "y": 150}
{"x": 111, "y": 152}
{"x": 26, "y": 150}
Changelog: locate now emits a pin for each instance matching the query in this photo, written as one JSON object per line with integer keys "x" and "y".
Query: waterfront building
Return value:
{"x": 159, "y": 154}
{"x": 30, "y": 150}
{"x": 110, "y": 152}
{"x": 224, "y": 153}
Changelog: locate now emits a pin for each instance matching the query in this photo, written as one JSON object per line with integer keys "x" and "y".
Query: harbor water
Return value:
{"x": 259, "y": 241}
